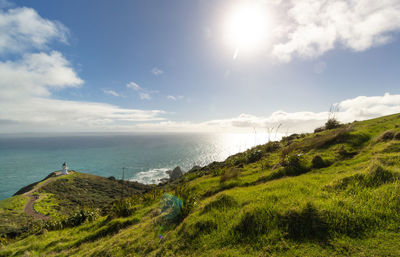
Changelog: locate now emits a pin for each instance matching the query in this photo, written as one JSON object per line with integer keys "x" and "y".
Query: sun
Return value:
{"x": 246, "y": 27}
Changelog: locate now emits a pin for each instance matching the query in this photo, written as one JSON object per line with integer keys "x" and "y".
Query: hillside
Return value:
{"x": 335, "y": 192}
{"x": 58, "y": 197}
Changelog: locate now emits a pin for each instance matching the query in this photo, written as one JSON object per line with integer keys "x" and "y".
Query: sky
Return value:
{"x": 191, "y": 66}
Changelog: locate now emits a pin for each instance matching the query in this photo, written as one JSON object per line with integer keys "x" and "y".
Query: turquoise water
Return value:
{"x": 24, "y": 160}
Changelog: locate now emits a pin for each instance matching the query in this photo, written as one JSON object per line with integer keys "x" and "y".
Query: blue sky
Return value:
{"x": 184, "y": 75}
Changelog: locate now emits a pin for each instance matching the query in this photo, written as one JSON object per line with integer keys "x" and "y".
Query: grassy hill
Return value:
{"x": 335, "y": 192}
{"x": 63, "y": 197}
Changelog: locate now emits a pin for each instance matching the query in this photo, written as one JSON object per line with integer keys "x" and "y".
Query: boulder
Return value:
{"x": 175, "y": 173}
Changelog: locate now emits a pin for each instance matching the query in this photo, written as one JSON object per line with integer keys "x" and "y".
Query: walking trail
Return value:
{"x": 28, "y": 209}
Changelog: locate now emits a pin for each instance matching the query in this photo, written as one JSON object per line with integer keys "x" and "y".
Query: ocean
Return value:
{"x": 146, "y": 157}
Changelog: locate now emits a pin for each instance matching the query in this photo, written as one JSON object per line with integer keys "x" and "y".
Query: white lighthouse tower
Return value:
{"x": 64, "y": 169}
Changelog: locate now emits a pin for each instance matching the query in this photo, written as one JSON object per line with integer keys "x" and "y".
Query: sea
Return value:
{"x": 25, "y": 159}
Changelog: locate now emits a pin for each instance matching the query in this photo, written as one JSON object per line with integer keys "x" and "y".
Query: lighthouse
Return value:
{"x": 64, "y": 169}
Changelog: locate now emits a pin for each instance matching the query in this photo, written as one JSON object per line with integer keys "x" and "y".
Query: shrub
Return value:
{"x": 189, "y": 200}
{"x": 332, "y": 123}
{"x": 123, "y": 208}
{"x": 397, "y": 136}
{"x": 317, "y": 162}
{"x": 152, "y": 196}
{"x": 295, "y": 166}
{"x": 3, "y": 241}
{"x": 77, "y": 218}
{"x": 232, "y": 173}
{"x": 271, "y": 147}
{"x": 319, "y": 129}
{"x": 253, "y": 156}
{"x": 386, "y": 136}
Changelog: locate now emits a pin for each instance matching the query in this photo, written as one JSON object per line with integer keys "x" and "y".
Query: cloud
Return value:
{"x": 175, "y": 98}
{"x": 359, "y": 108}
{"x": 22, "y": 29}
{"x": 312, "y": 27}
{"x": 110, "y": 92}
{"x": 156, "y": 71}
{"x": 144, "y": 94}
{"x": 134, "y": 86}
{"x": 35, "y": 75}
{"x": 29, "y": 79}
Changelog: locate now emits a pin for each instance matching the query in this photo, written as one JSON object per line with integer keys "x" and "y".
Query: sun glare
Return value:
{"x": 246, "y": 27}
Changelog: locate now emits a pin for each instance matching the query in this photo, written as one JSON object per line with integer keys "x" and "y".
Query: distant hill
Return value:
{"x": 335, "y": 192}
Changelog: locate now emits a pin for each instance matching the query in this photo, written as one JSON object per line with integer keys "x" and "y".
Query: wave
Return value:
{"x": 152, "y": 176}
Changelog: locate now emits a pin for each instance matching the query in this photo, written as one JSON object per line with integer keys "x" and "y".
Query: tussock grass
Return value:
{"x": 222, "y": 202}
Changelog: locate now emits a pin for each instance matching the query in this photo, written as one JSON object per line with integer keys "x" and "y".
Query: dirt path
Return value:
{"x": 28, "y": 209}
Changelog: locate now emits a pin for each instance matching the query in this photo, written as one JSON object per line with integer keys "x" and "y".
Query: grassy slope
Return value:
{"x": 61, "y": 198}
{"x": 12, "y": 214}
{"x": 79, "y": 190}
{"x": 351, "y": 207}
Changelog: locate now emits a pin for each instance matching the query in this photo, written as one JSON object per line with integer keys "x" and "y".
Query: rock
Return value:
{"x": 163, "y": 180}
{"x": 175, "y": 173}
{"x": 195, "y": 168}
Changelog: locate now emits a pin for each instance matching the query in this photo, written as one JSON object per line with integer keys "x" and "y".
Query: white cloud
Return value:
{"x": 144, "y": 94}
{"x": 175, "y": 98}
{"x": 35, "y": 75}
{"x": 134, "y": 86}
{"x": 359, "y": 108}
{"x": 312, "y": 27}
{"x": 156, "y": 71}
{"x": 27, "y": 82}
{"x": 22, "y": 29}
{"x": 110, "y": 92}
{"x": 363, "y": 107}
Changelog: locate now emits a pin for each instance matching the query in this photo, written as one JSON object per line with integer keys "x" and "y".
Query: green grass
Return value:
{"x": 12, "y": 216}
{"x": 277, "y": 202}
{"x": 47, "y": 205}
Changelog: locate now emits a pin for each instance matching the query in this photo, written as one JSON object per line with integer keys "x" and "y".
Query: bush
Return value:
{"x": 317, "y": 162}
{"x": 320, "y": 129}
{"x": 332, "y": 123}
{"x": 386, "y": 136}
{"x": 397, "y": 136}
{"x": 253, "y": 156}
{"x": 3, "y": 241}
{"x": 295, "y": 166}
{"x": 189, "y": 200}
{"x": 123, "y": 208}
{"x": 232, "y": 173}
{"x": 271, "y": 147}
